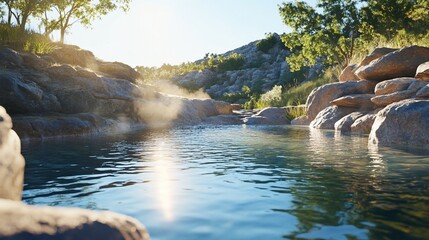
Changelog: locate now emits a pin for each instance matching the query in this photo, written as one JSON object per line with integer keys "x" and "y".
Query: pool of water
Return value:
{"x": 238, "y": 182}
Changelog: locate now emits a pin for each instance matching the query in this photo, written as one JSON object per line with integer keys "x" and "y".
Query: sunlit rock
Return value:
{"x": 393, "y": 85}
{"x": 321, "y": 97}
{"x": 378, "y": 52}
{"x": 400, "y": 63}
{"x": 422, "y": 72}
{"x": 270, "y": 115}
{"x": 359, "y": 101}
{"x": 348, "y": 74}
{"x": 20, "y": 221}
{"x": 384, "y": 100}
{"x": 11, "y": 161}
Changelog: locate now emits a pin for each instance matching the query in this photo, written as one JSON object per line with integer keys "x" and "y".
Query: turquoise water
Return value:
{"x": 238, "y": 182}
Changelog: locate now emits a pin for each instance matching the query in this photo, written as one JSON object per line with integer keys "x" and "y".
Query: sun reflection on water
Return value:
{"x": 161, "y": 156}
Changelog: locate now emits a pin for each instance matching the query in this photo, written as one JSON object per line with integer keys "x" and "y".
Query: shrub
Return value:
{"x": 295, "y": 111}
{"x": 232, "y": 62}
{"x": 264, "y": 45}
{"x": 29, "y": 41}
{"x": 272, "y": 98}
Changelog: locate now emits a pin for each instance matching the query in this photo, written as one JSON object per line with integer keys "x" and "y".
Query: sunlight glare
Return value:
{"x": 162, "y": 159}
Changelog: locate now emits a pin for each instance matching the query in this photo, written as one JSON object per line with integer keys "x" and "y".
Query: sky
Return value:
{"x": 154, "y": 32}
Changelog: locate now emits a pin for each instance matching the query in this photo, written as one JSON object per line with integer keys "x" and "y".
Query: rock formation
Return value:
{"x": 71, "y": 92}
{"x": 388, "y": 103}
{"x": 20, "y": 221}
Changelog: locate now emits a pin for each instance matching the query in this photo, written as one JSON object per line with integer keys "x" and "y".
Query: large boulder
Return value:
{"x": 20, "y": 221}
{"x": 321, "y": 97}
{"x": 393, "y": 85}
{"x": 359, "y": 101}
{"x": 34, "y": 61}
{"x": 59, "y": 125}
{"x": 74, "y": 55}
{"x": 327, "y": 118}
{"x": 344, "y": 124}
{"x": 269, "y": 115}
{"x": 400, "y": 63}
{"x": 223, "y": 120}
{"x": 402, "y": 122}
{"x": 11, "y": 161}
{"x": 348, "y": 74}
{"x": 302, "y": 120}
{"x": 384, "y": 100}
{"x": 22, "y": 97}
{"x": 9, "y": 58}
{"x": 422, "y": 72}
{"x": 378, "y": 52}
{"x": 423, "y": 92}
{"x": 118, "y": 70}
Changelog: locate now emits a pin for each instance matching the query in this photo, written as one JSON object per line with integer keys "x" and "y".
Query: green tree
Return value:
{"x": 326, "y": 33}
{"x": 386, "y": 17}
{"x": 69, "y": 12}
{"x": 21, "y": 10}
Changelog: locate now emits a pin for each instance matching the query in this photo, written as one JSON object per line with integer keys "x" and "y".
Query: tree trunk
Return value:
{"x": 9, "y": 17}
{"x": 23, "y": 22}
{"x": 63, "y": 32}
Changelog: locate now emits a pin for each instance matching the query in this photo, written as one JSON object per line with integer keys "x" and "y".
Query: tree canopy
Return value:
{"x": 58, "y": 14}
{"x": 330, "y": 32}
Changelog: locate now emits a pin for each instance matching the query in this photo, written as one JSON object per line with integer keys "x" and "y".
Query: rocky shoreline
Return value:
{"x": 71, "y": 92}
{"x": 385, "y": 96}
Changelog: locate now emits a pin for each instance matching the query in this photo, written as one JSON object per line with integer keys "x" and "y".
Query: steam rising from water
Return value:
{"x": 168, "y": 88}
{"x": 164, "y": 103}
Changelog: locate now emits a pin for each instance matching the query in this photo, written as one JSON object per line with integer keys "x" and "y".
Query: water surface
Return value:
{"x": 238, "y": 182}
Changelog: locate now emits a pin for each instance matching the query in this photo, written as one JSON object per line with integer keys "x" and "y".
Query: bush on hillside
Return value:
{"x": 264, "y": 45}
{"x": 235, "y": 61}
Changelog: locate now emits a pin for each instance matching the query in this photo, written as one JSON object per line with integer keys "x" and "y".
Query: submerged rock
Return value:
{"x": 402, "y": 122}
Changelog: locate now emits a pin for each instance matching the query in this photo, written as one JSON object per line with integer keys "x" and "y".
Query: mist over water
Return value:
{"x": 238, "y": 182}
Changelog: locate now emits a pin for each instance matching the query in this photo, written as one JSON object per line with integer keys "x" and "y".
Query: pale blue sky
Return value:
{"x": 174, "y": 31}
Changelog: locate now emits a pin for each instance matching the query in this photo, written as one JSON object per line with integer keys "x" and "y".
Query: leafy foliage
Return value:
{"x": 333, "y": 30}
{"x": 264, "y": 45}
{"x": 58, "y": 14}
{"x": 213, "y": 62}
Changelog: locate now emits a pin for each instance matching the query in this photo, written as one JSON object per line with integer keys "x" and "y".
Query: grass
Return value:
{"x": 295, "y": 111}
{"x": 29, "y": 41}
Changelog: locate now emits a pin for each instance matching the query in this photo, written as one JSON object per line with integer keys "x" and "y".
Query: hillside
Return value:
{"x": 262, "y": 66}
